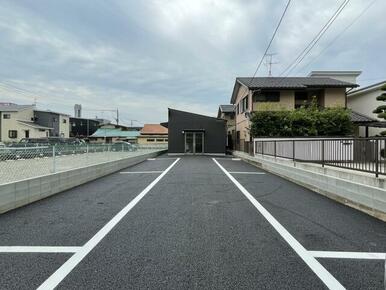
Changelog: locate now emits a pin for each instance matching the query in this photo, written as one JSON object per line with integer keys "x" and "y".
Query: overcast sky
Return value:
{"x": 145, "y": 56}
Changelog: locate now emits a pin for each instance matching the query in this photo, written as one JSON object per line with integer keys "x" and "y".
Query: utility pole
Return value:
{"x": 117, "y": 116}
{"x": 269, "y": 62}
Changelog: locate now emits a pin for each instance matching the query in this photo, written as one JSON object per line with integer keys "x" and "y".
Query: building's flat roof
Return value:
{"x": 113, "y": 132}
{"x": 51, "y": 112}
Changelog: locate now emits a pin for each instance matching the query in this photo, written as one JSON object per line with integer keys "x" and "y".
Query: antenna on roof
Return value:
{"x": 269, "y": 62}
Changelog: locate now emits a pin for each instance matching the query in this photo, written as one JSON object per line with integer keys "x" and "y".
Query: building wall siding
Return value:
{"x": 335, "y": 97}
{"x": 214, "y": 136}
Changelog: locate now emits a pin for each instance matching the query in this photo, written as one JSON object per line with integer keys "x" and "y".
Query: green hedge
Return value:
{"x": 302, "y": 122}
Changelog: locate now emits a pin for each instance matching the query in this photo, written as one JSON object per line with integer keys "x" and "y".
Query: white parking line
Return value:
{"x": 71, "y": 263}
{"x": 150, "y": 159}
{"x": 246, "y": 172}
{"x": 37, "y": 249}
{"x": 138, "y": 172}
{"x": 314, "y": 265}
{"x": 348, "y": 255}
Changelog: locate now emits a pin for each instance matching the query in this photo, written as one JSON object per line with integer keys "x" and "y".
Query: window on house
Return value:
{"x": 166, "y": 140}
{"x": 160, "y": 140}
{"x": 150, "y": 140}
{"x": 12, "y": 134}
{"x": 267, "y": 97}
{"x": 6, "y": 116}
{"x": 64, "y": 121}
{"x": 301, "y": 99}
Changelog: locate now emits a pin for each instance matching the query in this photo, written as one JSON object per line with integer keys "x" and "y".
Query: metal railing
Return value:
{"x": 17, "y": 163}
{"x": 361, "y": 154}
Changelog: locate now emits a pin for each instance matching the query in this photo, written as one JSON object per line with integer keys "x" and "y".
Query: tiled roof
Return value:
{"x": 153, "y": 129}
{"x": 292, "y": 82}
{"x": 227, "y": 108}
{"x": 360, "y": 118}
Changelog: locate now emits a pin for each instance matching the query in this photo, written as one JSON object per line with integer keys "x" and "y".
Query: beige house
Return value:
{"x": 227, "y": 113}
{"x": 282, "y": 93}
{"x": 18, "y": 122}
{"x": 153, "y": 134}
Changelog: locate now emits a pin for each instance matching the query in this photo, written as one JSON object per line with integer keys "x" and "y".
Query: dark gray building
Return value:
{"x": 195, "y": 134}
{"x": 83, "y": 127}
{"x": 60, "y": 123}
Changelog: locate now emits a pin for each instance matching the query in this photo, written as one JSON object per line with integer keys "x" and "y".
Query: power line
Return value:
{"x": 340, "y": 34}
{"x": 270, "y": 42}
{"x": 315, "y": 40}
{"x": 17, "y": 90}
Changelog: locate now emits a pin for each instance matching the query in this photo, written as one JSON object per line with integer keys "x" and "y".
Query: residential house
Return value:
{"x": 153, "y": 134}
{"x": 110, "y": 133}
{"x": 191, "y": 133}
{"x": 278, "y": 93}
{"x": 59, "y": 122}
{"x": 363, "y": 101}
{"x": 227, "y": 113}
{"x": 18, "y": 122}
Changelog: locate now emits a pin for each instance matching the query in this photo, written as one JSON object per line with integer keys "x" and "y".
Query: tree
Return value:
{"x": 381, "y": 110}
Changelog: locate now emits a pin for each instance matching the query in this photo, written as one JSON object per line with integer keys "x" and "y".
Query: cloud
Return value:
{"x": 146, "y": 56}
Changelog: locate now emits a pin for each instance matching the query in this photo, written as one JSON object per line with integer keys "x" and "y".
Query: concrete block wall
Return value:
{"x": 23, "y": 192}
{"x": 359, "y": 190}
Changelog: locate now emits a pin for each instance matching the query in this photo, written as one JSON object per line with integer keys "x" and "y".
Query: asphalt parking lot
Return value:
{"x": 193, "y": 222}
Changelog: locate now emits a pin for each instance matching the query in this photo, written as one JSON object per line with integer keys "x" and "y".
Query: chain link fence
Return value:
{"x": 17, "y": 163}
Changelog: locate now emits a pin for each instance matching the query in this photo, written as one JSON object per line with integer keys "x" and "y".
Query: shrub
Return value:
{"x": 302, "y": 122}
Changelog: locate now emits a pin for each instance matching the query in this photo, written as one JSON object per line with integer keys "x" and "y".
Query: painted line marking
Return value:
{"x": 37, "y": 249}
{"x": 150, "y": 159}
{"x": 71, "y": 263}
{"x": 139, "y": 172}
{"x": 246, "y": 172}
{"x": 330, "y": 281}
{"x": 236, "y": 159}
{"x": 348, "y": 255}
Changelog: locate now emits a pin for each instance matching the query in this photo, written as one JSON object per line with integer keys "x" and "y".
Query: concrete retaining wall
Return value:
{"x": 17, "y": 194}
{"x": 359, "y": 190}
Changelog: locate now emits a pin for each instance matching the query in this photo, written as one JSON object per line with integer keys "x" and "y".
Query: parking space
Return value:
{"x": 321, "y": 224}
{"x": 190, "y": 222}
